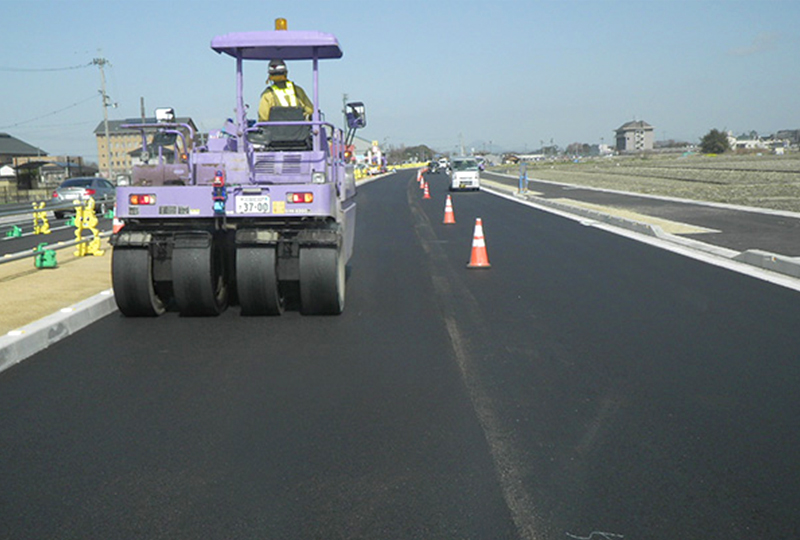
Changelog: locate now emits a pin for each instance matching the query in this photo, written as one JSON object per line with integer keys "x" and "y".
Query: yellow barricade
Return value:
{"x": 44, "y": 227}
{"x": 85, "y": 219}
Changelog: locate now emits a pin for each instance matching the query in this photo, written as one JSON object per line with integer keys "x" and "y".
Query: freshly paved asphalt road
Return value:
{"x": 583, "y": 384}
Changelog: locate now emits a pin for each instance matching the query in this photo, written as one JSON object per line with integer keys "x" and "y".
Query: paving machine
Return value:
{"x": 260, "y": 214}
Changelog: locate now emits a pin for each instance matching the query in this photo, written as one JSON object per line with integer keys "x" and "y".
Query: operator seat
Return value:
{"x": 297, "y": 137}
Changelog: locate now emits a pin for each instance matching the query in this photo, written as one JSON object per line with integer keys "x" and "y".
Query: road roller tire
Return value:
{"x": 257, "y": 281}
{"x": 198, "y": 277}
{"x": 132, "y": 280}
{"x": 322, "y": 281}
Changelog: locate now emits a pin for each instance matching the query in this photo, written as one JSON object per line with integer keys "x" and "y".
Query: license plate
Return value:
{"x": 252, "y": 204}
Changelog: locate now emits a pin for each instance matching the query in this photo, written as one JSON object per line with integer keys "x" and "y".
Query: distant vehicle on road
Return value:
{"x": 464, "y": 174}
{"x": 81, "y": 189}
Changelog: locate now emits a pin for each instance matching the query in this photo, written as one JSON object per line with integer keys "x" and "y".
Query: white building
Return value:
{"x": 635, "y": 136}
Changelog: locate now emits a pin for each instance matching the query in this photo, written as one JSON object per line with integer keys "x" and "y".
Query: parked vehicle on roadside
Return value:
{"x": 81, "y": 189}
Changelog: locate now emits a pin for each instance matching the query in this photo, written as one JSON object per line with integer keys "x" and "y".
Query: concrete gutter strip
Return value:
{"x": 19, "y": 344}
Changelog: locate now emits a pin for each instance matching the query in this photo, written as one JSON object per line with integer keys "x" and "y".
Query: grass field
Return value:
{"x": 766, "y": 181}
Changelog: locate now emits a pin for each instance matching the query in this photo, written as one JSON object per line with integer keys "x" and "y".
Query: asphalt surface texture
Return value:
{"x": 584, "y": 386}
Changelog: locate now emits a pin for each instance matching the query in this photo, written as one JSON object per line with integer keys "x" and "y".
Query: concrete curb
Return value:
{"x": 789, "y": 266}
{"x": 19, "y": 344}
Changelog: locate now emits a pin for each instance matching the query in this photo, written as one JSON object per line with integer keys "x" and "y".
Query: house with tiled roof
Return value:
{"x": 11, "y": 147}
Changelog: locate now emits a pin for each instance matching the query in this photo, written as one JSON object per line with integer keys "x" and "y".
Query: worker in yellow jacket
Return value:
{"x": 281, "y": 92}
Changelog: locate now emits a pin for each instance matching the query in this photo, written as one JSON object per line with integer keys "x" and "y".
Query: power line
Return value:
{"x": 49, "y": 114}
{"x": 45, "y": 127}
{"x": 33, "y": 70}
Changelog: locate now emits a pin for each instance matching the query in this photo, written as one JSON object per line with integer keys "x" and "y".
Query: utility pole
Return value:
{"x": 344, "y": 112}
{"x": 101, "y": 63}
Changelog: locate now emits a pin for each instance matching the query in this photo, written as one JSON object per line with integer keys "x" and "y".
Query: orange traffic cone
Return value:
{"x": 427, "y": 194}
{"x": 479, "y": 258}
{"x": 449, "y": 215}
{"x": 116, "y": 224}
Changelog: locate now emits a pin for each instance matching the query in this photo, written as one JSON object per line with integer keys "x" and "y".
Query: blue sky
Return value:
{"x": 496, "y": 74}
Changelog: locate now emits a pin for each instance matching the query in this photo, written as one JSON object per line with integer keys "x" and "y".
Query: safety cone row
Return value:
{"x": 479, "y": 258}
{"x": 449, "y": 215}
{"x": 426, "y": 192}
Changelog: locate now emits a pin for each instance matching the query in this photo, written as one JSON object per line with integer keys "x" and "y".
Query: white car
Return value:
{"x": 464, "y": 173}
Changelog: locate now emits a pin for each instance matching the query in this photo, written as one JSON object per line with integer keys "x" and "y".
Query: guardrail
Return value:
{"x": 23, "y": 208}
{"x": 42, "y": 251}
{"x": 85, "y": 220}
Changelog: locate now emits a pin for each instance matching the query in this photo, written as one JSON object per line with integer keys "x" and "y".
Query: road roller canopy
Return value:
{"x": 283, "y": 44}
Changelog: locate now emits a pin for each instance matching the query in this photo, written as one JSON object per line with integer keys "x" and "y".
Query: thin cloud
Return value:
{"x": 763, "y": 42}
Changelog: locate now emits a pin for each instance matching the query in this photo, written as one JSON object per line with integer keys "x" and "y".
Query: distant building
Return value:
{"x": 746, "y": 142}
{"x": 7, "y": 174}
{"x": 790, "y": 135}
{"x": 635, "y": 136}
{"x": 28, "y": 167}
{"x": 11, "y": 147}
{"x": 117, "y": 154}
{"x": 50, "y": 171}
{"x": 530, "y": 157}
